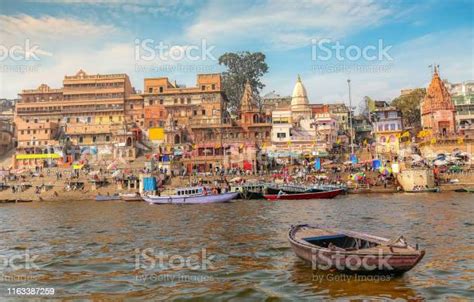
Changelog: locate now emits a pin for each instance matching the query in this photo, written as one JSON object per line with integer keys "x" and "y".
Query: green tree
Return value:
{"x": 409, "y": 105}
{"x": 242, "y": 67}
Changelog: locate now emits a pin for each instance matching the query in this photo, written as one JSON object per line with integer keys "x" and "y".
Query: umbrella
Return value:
{"x": 440, "y": 162}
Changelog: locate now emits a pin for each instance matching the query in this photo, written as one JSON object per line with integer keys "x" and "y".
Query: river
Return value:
{"x": 94, "y": 250}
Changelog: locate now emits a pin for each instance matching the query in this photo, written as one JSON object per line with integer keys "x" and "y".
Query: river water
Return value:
{"x": 92, "y": 250}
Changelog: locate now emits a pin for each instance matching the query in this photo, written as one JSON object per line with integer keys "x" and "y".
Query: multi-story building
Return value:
{"x": 7, "y": 129}
{"x": 232, "y": 143}
{"x": 387, "y": 127}
{"x": 437, "y": 108}
{"x": 362, "y": 129}
{"x": 75, "y": 113}
{"x": 341, "y": 112}
{"x": 184, "y": 107}
{"x": 463, "y": 99}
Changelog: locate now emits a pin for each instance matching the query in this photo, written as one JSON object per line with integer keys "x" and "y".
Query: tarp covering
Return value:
{"x": 149, "y": 184}
{"x": 317, "y": 164}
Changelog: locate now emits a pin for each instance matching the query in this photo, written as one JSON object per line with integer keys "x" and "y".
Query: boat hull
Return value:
{"x": 107, "y": 198}
{"x": 198, "y": 199}
{"x": 377, "y": 261}
{"x": 311, "y": 195}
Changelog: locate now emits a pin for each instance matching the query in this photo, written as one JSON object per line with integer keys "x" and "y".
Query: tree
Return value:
{"x": 409, "y": 105}
{"x": 242, "y": 67}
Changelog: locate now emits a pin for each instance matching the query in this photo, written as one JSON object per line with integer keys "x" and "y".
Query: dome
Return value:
{"x": 299, "y": 99}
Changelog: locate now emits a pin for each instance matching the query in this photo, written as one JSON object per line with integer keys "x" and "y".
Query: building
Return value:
{"x": 341, "y": 113}
{"x": 185, "y": 107}
{"x": 272, "y": 100}
{"x": 463, "y": 99}
{"x": 7, "y": 129}
{"x": 387, "y": 128}
{"x": 232, "y": 143}
{"x": 437, "y": 108}
{"x": 301, "y": 128}
{"x": 84, "y": 112}
{"x": 362, "y": 128}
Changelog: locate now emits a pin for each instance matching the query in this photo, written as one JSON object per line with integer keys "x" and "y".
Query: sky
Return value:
{"x": 381, "y": 46}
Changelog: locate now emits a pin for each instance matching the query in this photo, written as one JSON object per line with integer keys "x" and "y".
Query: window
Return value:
{"x": 281, "y": 134}
{"x": 81, "y": 139}
{"x": 161, "y": 101}
{"x": 213, "y": 86}
{"x": 110, "y": 118}
{"x": 176, "y": 101}
{"x": 77, "y": 120}
{"x": 94, "y": 139}
{"x": 107, "y": 138}
{"x": 194, "y": 112}
{"x": 203, "y": 112}
{"x": 203, "y": 87}
{"x": 150, "y": 90}
{"x": 392, "y": 127}
{"x": 161, "y": 88}
{"x": 131, "y": 106}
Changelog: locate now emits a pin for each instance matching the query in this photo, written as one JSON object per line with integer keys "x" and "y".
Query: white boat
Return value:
{"x": 131, "y": 197}
{"x": 196, "y": 195}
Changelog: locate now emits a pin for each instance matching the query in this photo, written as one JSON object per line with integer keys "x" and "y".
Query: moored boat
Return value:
{"x": 191, "y": 199}
{"x": 424, "y": 190}
{"x": 466, "y": 190}
{"x": 131, "y": 197}
{"x": 249, "y": 190}
{"x": 304, "y": 195}
{"x": 107, "y": 197}
{"x": 342, "y": 250}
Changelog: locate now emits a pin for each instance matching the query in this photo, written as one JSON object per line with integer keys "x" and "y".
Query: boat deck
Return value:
{"x": 308, "y": 232}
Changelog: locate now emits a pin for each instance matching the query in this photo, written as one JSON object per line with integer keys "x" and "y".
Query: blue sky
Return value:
{"x": 101, "y": 37}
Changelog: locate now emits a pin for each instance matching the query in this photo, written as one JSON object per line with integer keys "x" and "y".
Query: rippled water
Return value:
{"x": 88, "y": 249}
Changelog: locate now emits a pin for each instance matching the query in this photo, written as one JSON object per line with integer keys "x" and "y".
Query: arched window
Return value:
{"x": 177, "y": 139}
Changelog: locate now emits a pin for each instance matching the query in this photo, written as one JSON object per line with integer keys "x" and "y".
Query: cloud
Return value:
{"x": 408, "y": 70}
{"x": 287, "y": 24}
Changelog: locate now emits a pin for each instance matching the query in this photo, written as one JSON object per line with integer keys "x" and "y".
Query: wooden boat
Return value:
{"x": 131, "y": 197}
{"x": 107, "y": 197}
{"x": 464, "y": 190}
{"x": 309, "y": 195}
{"x": 249, "y": 190}
{"x": 191, "y": 199}
{"x": 288, "y": 189}
{"x": 424, "y": 190}
{"x": 352, "y": 251}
